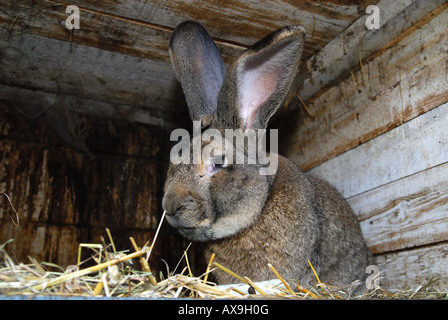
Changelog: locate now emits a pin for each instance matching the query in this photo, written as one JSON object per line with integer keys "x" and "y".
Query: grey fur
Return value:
{"x": 190, "y": 50}
{"x": 247, "y": 219}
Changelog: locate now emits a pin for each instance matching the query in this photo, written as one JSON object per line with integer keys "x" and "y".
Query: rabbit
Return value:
{"x": 245, "y": 218}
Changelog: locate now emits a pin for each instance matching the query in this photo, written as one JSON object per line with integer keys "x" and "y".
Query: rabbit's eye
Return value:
{"x": 218, "y": 161}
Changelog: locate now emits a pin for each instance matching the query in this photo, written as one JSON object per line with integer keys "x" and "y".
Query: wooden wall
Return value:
{"x": 64, "y": 197}
{"x": 380, "y": 135}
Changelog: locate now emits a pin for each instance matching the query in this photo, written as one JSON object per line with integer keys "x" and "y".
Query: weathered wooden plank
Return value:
{"x": 343, "y": 52}
{"x": 38, "y": 72}
{"x": 401, "y": 83}
{"x": 50, "y": 183}
{"x": 406, "y": 213}
{"x": 241, "y": 21}
{"x": 38, "y": 62}
{"x": 112, "y": 190}
{"x": 32, "y": 102}
{"x": 44, "y": 242}
{"x": 415, "y": 146}
{"x": 405, "y": 270}
{"x": 108, "y": 32}
{"x": 48, "y": 19}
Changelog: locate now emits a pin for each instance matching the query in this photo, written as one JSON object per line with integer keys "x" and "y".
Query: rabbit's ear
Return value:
{"x": 260, "y": 79}
{"x": 199, "y": 68}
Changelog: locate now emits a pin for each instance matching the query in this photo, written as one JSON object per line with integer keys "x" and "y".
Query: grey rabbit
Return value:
{"x": 248, "y": 219}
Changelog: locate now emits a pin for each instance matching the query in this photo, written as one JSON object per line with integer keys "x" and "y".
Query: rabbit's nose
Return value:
{"x": 171, "y": 202}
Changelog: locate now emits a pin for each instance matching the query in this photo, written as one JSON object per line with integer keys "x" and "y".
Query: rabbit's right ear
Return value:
{"x": 199, "y": 68}
{"x": 260, "y": 79}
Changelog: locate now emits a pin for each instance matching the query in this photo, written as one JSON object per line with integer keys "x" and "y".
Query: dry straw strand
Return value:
{"x": 91, "y": 246}
{"x": 207, "y": 271}
{"x": 305, "y": 106}
{"x": 89, "y": 270}
{"x": 314, "y": 271}
{"x": 233, "y": 274}
{"x": 111, "y": 240}
{"x": 155, "y": 236}
{"x": 190, "y": 273}
{"x": 253, "y": 285}
{"x": 16, "y": 221}
{"x": 360, "y": 63}
{"x": 144, "y": 263}
{"x": 281, "y": 279}
{"x": 306, "y": 291}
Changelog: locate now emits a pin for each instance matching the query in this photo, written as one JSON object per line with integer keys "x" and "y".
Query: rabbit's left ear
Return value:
{"x": 199, "y": 67}
{"x": 260, "y": 79}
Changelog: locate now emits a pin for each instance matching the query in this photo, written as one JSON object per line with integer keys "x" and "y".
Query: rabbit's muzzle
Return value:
{"x": 173, "y": 203}
{"x": 186, "y": 213}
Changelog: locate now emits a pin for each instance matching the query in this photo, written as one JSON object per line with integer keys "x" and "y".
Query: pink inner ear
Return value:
{"x": 258, "y": 78}
{"x": 256, "y": 86}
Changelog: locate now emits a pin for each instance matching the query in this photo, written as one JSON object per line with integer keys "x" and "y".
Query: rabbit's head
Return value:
{"x": 221, "y": 191}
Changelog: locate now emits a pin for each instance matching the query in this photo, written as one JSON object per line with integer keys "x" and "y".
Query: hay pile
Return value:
{"x": 114, "y": 275}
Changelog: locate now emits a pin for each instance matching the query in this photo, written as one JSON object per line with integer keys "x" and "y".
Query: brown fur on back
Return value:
{"x": 297, "y": 225}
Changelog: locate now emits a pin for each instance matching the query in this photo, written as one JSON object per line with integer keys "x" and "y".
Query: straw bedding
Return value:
{"x": 114, "y": 274}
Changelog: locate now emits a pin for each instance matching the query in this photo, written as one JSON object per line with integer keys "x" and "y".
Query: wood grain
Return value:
{"x": 342, "y": 55}
{"x": 238, "y": 21}
{"x": 401, "y": 84}
{"x": 103, "y": 30}
{"x": 415, "y": 146}
{"x": 407, "y": 270}
{"x": 405, "y": 213}
{"x": 38, "y": 72}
